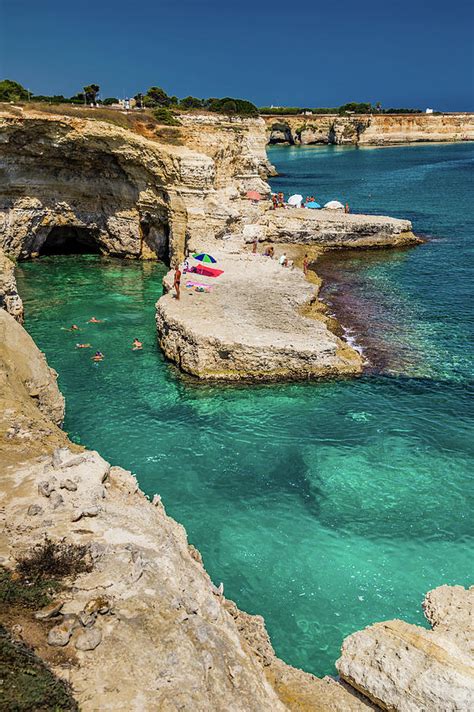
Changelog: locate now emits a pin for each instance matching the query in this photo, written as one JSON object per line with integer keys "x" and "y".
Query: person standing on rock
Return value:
{"x": 177, "y": 280}
{"x": 305, "y": 264}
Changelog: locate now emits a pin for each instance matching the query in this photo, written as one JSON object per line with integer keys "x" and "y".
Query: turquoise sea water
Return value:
{"x": 324, "y": 507}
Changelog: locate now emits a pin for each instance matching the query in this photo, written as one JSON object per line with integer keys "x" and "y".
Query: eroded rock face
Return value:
{"x": 22, "y": 362}
{"x": 95, "y": 186}
{"x": 373, "y": 129}
{"x": 409, "y": 669}
{"x": 10, "y": 300}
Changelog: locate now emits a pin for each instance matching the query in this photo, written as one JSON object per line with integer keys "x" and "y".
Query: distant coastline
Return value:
{"x": 369, "y": 129}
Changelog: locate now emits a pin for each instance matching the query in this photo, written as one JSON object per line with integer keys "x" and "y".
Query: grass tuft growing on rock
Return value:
{"x": 27, "y": 683}
{"x": 54, "y": 560}
{"x": 15, "y": 591}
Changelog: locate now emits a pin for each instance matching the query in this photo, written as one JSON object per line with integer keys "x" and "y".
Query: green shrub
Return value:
{"x": 165, "y": 116}
{"x": 15, "y": 591}
{"x": 228, "y": 105}
{"x": 110, "y": 100}
{"x": 156, "y": 96}
{"x": 356, "y": 108}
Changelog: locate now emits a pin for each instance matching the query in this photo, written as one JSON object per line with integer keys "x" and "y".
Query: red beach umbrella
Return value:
{"x": 254, "y": 195}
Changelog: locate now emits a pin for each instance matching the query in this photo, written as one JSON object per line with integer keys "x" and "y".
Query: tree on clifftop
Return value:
{"x": 12, "y": 91}
{"x": 191, "y": 102}
{"x": 156, "y": 96}
{"x": 91, "y": 91}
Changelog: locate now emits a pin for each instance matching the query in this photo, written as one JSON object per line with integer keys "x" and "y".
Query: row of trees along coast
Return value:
{"x": 164, "y": 105}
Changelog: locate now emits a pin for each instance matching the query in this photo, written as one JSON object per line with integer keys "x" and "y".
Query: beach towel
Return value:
{"x": 199, "y": 286}
{"x": 208, "y": 271}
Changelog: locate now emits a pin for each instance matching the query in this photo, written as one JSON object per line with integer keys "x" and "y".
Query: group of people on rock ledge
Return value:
{"x": 278, "y": 201}
{"x": 283, "y": 260}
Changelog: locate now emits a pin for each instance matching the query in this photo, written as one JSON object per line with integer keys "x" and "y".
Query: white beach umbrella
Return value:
{"x": 334, "y": 205}
{"x": 295, "y": 200}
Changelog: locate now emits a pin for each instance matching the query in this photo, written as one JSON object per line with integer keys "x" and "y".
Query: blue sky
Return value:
{"x": 408, "y": 53}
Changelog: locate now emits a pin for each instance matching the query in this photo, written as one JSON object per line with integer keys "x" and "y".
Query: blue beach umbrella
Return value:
{"x": 204, "y": 257}
{"x": 313, "y": 204}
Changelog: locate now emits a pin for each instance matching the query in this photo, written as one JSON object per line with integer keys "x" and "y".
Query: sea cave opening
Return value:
{"x": 70, "y": 240}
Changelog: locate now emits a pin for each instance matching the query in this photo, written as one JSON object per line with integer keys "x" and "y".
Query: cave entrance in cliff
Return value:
{"x": 71, "y": 240}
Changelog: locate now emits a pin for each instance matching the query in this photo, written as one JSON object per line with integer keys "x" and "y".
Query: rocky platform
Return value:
{"x": 332, "y": 229}
{"x": 250, "y": 326}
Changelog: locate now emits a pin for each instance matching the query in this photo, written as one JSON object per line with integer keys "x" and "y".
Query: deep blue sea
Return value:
{"x": 324, "y": 506}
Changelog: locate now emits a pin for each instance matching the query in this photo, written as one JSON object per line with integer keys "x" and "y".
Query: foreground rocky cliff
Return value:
{"x": 369, "y": 129}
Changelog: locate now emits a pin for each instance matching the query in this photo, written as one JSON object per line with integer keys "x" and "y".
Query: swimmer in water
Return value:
{"x": 137, "y": 345}
{"x": 74, "y": 327}
{"x": 83, "y": 346}
{"x": 93, "y": 320}
{"x": 98, "y": 356}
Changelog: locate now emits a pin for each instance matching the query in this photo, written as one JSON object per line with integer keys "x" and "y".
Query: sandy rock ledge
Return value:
{"x": 250, "y": 326}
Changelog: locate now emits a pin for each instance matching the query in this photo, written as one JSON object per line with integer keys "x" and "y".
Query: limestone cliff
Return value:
{"x": 72, "y": 180}
{"x": 10, "y": 300}
{"x": 369, "y": 129}
{"x": 145, "y": 628}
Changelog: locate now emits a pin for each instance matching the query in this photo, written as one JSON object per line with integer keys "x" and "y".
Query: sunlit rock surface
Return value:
{"x": 369, "y": 129}
{"x": 409, "y": 669}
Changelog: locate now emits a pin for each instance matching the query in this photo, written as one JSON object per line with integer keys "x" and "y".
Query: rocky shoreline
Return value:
{"x": 143, "y": 627}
